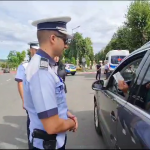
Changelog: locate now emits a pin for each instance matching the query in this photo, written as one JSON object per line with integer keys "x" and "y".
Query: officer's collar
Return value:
{"x": 45, "y": 55}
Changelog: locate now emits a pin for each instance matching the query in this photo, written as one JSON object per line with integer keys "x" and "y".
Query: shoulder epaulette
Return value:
{"x": 44, "y": 63}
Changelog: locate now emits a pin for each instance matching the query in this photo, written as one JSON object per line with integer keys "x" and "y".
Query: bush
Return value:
{"x": 67, "y": 60}
{"x": 79, "y": 69}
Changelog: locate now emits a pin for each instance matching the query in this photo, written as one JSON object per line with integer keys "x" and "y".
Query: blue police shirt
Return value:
{"x": 44, "y": 95}
{"x": 21, "y": 72}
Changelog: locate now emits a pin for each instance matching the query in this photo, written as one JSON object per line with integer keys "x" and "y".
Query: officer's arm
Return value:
{"x": 42, "y": 87}
{"x": 20, "y": 90}
{"x": 19, "y": 78}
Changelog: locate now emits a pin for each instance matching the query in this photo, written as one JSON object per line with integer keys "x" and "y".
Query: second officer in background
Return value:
{"x": 19, "y": 78}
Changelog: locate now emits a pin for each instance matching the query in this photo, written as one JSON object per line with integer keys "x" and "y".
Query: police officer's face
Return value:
{"x": 32, "y": 51}
{"x": 60, "y": 44}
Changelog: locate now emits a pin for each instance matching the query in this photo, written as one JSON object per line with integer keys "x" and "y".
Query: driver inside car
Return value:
{"x": 123, "y": 86}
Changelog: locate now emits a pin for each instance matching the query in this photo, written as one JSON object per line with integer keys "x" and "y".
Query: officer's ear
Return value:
{"x": 52, "y": 38}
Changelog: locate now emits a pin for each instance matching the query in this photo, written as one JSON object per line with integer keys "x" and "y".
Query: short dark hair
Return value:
{"x": 43, "y": 35}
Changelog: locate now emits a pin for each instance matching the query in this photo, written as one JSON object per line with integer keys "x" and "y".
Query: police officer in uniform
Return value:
{"x": 19, "y": 78}
{"x": 44, "y": 95}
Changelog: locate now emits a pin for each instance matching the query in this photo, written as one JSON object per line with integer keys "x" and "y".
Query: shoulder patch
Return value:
{"x": 44, "y": 63}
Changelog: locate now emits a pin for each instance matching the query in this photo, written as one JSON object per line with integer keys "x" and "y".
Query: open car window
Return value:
{"x": 129, "y": 70}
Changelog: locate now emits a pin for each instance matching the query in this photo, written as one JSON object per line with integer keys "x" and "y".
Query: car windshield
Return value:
{"x": 116, "y": 59}
{"x": 71, "y": 66}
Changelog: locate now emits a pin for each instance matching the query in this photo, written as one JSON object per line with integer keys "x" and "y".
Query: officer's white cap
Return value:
{"x": 57, "y": 23}
{"x": 34, "y": 45}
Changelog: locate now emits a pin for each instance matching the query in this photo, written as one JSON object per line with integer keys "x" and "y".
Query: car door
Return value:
{"x": 109, "y": 100}
{"x": 108, "y": 116}
{"x": 131, "y": 118}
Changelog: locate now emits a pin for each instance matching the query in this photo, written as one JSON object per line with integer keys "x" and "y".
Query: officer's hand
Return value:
{"x": 74, "y": 129}
{"x": 69, "y": 114}
{"x": 122, "y": 85}
{"x": 76, "y": 126}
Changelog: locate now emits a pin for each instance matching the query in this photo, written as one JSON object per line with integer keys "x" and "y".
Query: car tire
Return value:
{"x": 72, "y": 74}
{"x": 96, "y": 120}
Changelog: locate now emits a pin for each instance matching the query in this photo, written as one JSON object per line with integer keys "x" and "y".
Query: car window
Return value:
{"x": 116, "y": 59}
{"x": 129, "y": 72}
{"x": 71, "y": 66}
{"x": 141, "y": 99}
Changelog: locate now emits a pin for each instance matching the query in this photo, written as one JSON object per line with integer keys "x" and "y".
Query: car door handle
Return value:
{"x": 112, "y": 115}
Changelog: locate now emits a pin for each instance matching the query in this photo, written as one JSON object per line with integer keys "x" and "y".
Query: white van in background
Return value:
{"x": 114, "y": 57}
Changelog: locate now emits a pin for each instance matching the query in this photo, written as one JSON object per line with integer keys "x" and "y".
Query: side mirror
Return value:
{"x": 98, "y": 85}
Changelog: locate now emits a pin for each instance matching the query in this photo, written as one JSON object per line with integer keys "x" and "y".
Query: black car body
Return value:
{"x": 6, "y": 70}
{"x": 124, "y": 121}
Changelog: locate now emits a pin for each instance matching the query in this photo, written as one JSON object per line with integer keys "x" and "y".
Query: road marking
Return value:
{"x": 85, "y": 72}
{"x": 4, "y": 145}
{"x": 21, "y": 140}
{"x": 8, "y": 80}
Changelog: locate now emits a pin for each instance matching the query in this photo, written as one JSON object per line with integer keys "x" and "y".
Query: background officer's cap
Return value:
{"x": 34, "y": 45}
{"x": 57, "y": 23}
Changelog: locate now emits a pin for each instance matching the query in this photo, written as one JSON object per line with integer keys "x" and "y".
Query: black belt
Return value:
{"x": 49, "y": 140}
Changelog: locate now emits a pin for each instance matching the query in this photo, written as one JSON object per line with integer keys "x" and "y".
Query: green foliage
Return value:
{"x": 63, "y": 61}
{"x": 67, "y": 60}
{"x": 73, "y": 61}
{"x": 138, "y": 19}
{"x": 135, "y": 31}
{"x": 15, "y": 58}
{"x": 79, "y": 48}
{"x": 3, "y": 65}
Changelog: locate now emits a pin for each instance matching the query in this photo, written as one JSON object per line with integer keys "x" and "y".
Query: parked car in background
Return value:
{"x": 70, "y": 69}
{"x": 124, "y": 119}
{"x": 6, "y": 70}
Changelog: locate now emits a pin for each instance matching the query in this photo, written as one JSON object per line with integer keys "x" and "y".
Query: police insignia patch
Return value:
{"x": 44, "y": 62}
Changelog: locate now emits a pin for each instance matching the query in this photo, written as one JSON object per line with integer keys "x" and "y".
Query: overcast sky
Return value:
{"x": 97, "y": 19}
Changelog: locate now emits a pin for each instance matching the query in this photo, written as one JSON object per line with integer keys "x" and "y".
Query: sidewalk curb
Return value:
{"x": 14, "y": 72}
{"x": 85, "y": 72}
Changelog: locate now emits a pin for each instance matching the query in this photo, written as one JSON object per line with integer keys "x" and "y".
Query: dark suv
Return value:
{"x": 124, "y": 121}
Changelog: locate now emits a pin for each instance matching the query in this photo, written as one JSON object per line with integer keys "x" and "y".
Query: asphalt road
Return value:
{"x": 80, "y": 102}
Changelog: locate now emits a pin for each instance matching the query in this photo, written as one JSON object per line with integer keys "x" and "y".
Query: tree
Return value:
{"x": 87, "y": 61}
{"x": 79, "y": 48}
{"x": 134, "y": 33}
{"x": 3, "y": 65}
{"x": 15, "y": 58}
{"x": 67, "y": 60}
{"x": 21, "y": 56}
{"x": 138, "y": 21}
{"x": 73, "y": 61}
